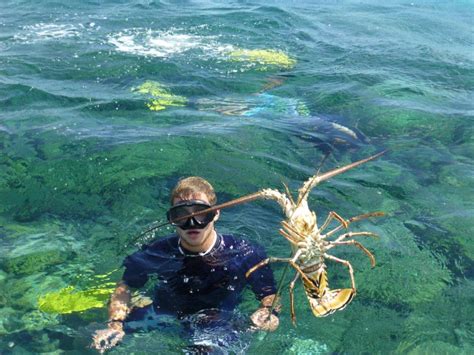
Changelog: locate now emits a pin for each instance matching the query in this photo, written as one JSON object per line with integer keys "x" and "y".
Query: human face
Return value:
{"x": 197, "y": 240}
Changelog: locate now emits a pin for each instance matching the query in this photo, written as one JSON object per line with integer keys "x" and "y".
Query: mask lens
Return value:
{"x": 176, "y": 213}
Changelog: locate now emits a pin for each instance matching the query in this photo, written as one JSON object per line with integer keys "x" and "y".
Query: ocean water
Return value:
{"x": 104, "y": 105}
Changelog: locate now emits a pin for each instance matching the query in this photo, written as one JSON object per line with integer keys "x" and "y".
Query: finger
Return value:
{"x": 253, "y": 329}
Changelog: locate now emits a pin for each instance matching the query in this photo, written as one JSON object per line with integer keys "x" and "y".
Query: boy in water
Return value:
{"x": 198, "y": 271}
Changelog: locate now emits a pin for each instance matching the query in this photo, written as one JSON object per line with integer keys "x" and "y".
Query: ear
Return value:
{"x": 216, "y": 217}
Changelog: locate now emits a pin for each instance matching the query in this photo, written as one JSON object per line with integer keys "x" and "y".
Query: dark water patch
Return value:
{"x": 36, "y": 98}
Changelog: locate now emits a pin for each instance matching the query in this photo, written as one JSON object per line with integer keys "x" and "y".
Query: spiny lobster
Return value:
{"x": 310, "y": 245}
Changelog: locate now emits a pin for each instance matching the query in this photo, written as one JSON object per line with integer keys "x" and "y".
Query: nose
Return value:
{"x": 192, "y": 222}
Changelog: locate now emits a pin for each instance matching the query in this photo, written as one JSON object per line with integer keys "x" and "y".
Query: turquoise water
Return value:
{"x": 105, "y": 104}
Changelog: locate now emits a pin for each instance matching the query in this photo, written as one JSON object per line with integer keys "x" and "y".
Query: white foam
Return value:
{"x": 46, "y": 31}
{"x": 161, "y": 43}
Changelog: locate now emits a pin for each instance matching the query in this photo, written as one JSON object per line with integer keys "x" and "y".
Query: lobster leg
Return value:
{"x": 351, "y": 220}
{"x": 360, "y": 246}
{"x": 354, "y": 234}
{"x": 288, "y": 237}
{"x": 333, "y": 215}
{"x": 292, "y": 304}
{"x": 292, "y": 231}
{"x": 284, "y": 260}
{"x": 347, "y": 264}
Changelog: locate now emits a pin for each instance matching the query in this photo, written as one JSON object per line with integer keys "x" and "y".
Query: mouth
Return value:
{"x": 192, "y": 232}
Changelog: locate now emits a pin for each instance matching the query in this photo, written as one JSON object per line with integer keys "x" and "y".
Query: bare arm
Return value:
{"x": 119, "y": 308}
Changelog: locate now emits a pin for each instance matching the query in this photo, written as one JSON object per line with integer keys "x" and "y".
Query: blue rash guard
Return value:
{"x": 187, "y": 282}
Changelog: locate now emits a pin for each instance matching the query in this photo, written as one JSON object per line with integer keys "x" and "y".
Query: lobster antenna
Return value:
{"x": 326, "y": 156}
{"x": 316, "y": 179}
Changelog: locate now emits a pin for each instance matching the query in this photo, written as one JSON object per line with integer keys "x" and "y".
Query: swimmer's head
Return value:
{"x": 192, "y": 188}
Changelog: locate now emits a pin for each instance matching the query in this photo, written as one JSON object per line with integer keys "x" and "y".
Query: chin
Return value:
{"x": 194, "y": 239}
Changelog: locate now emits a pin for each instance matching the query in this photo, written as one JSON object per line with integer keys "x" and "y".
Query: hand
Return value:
{"x": 106, "y": 339}
{"x": 262, "y": 322}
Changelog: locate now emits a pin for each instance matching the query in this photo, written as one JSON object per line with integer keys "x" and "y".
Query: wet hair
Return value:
{"x": 189, "y": 187}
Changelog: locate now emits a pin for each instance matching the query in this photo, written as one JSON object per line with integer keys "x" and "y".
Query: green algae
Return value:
{"x": 76, "y": 180}
{"x": 69, "y": 300}
{"x": 34, "y": 262}
{"x": 266, "y": 58}
{"x": 3, "y": 276}
{"x": 405, "y": 274}
{"x": 459, "y": 226}
{"x": 160, "y": 96}
{"x": 447, "y": 319}
{"x": 389, "y": 121}
{"x": 372, "y": 328}
{"x": 438, "y": 347}
{"x": 225, "y": 160}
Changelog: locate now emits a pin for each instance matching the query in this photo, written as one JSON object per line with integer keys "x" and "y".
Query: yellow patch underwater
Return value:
{"x": 67, "y": 300}
{"x": 161, "y": 97}
{"x": 264, "y": 57}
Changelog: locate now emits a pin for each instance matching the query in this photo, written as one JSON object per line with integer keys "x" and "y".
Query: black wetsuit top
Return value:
{"x": 187, "y": 283}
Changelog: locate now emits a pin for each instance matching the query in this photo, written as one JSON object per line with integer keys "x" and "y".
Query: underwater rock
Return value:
{"x": 160, "y": 96}
{"x": 33, "y": 253}
{"x": 43, "y": 343}
{"x": 9, "y": 321}
{"x": 266, "y": 58}
{"x": 36, "y": 320}
{"x": 23, "y": 292}
{"x": 34, "y": 262}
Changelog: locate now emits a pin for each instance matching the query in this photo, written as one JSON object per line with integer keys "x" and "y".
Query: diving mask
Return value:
{"x": 182, "y": 209}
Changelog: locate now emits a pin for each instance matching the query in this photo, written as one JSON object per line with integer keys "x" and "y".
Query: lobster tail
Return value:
{"x": 331, "y": 301}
